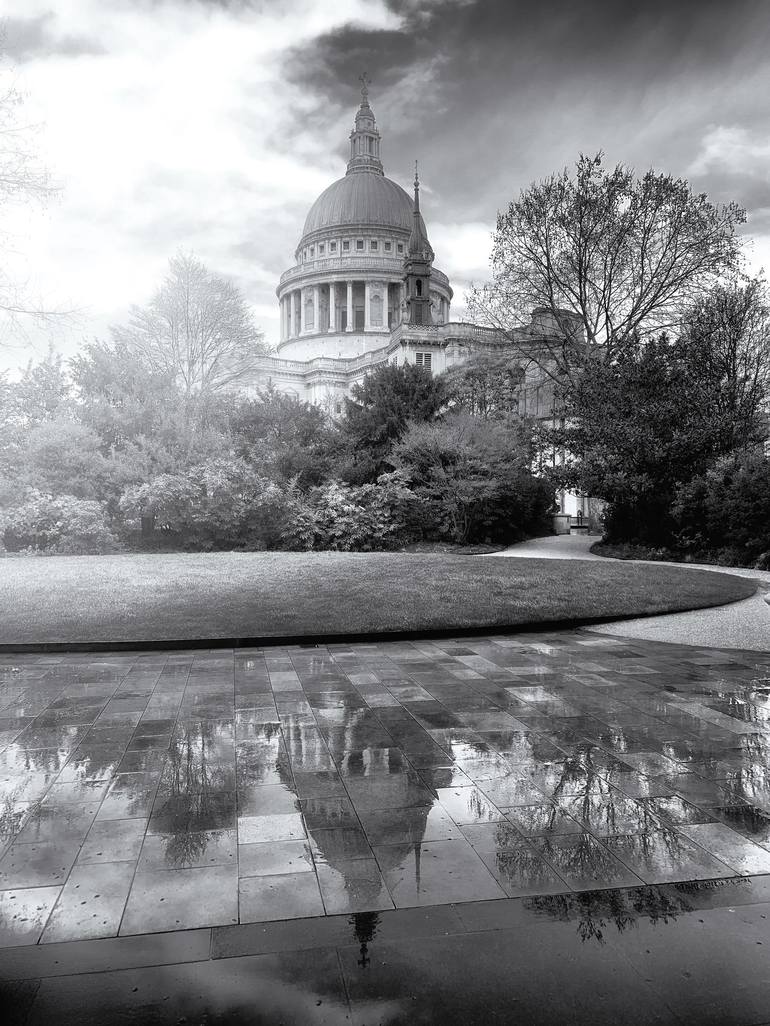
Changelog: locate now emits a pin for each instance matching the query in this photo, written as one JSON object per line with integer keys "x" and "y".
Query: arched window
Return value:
{"x": 419, "y": 287}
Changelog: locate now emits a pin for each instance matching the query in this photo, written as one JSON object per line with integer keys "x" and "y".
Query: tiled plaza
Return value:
{"x": 169, "y": 791}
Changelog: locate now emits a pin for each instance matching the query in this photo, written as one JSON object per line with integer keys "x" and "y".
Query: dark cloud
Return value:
{"x": 25, "y": 38}
{"x": 516, "y": 90}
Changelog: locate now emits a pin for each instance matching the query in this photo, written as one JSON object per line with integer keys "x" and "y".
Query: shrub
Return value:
{"x": 222, "y": 503}
{"x": 726, "y": 511}
{"x": 62, "y": 524}
{"x": 348, "y": 518}
{"x": 473, "y": 480}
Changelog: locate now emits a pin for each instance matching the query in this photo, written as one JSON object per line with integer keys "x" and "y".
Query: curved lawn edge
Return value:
{"x": 173, "y": 600}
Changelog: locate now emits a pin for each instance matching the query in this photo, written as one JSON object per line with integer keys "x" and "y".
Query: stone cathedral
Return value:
{"x": 365, "y": 290}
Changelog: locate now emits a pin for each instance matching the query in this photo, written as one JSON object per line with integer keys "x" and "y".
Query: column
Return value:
{"x": 293, "y": 315}
{"x": 332, "y": 305}
{"x": 350, "y": 306}
{"x": 302, "y": 325}
{"x": 316, "y": 308}
{"x": 367, "y": 309}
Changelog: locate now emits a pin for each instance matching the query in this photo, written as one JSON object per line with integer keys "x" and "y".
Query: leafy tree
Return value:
{"x": 62, "y": 457}
{"x": 725, "y": 513}
{"x": 43, "y": 392}
{"x": 197, "y": 329}
{"x": 287, "y": 437}
{"x": 626, "y": 254}
{"x": 377, "y": 415}
{"x": 473, "y": 478}
{"x": 123, "y": 399}
{"x": 637, "y": 429}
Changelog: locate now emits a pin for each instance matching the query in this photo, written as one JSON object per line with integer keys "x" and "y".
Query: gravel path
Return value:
{"x": 744, "y": 624}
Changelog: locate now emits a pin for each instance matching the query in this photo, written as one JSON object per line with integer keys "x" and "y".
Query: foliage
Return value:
{"x": 624, "y": 253}
{"x": 123, "y": 399}
{"x": 347, "y": 518}
{"x": 487, "y": 385}
{"x": 473, "y": 478}
{"x": 222, "y": 503}
{"x": 726, "y": 512}
{"x": 63, "y": 525}
{"x": 638, "y": 428}
{"x": 376, "y": 417}
{"x": 197, "y": 329}
{"x": 290, "y": 439}
{"x": 63, "y": 457}
{"x": 42, "y": 393}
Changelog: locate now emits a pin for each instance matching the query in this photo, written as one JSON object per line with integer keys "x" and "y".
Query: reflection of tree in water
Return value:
{"x": 199, "y": 776}
{"x": 739, "y": 706}
{"x": 13, "y": 814}
{"x": 594, "y": 911}
{"x": 586, "y": 793}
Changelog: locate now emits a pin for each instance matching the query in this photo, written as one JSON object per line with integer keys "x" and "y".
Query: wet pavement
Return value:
{"x": 325, "y": 833}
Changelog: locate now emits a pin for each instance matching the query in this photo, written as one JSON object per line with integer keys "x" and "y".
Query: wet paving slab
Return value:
{"x": 677, "y": 953}
{"x": 152, "y": 792}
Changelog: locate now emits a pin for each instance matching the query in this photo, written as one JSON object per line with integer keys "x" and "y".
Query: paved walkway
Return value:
{"x": 327, "y": 834}
{"x": 742, "y": 625}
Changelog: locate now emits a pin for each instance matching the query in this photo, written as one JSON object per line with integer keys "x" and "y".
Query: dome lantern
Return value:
{"x": 365, "y": 139}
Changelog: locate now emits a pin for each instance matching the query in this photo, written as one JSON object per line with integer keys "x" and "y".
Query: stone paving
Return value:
{"x": 171, "y": 791}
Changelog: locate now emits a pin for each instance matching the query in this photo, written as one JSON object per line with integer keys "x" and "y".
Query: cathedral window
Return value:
{"x": 400, "y": 247}
{"x": 312, "y": 251}
{"x": 321, "y": 248}
{"x": 388, "y": 246}
{"x": 374, "y": 244}
{"x": 346, "y": 246}
{"x": 419, "y": 287}
{"x": 422, "y": 360}
{"x": 332, "y": 247}
{"x": 359, "y": 243}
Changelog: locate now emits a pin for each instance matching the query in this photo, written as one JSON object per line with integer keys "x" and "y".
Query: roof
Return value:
{"x": 363, "y": 198}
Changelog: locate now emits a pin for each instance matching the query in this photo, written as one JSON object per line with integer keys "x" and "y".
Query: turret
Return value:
{"x": 417, "y": 265}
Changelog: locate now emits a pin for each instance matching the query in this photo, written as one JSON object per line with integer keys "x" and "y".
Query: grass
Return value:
{"x": 182, "y": 597}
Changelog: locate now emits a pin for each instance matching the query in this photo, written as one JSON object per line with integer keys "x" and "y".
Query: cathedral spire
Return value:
{"x": 417, "y": 265}
{"x": 419, "y": 246}
{"x": 365, "y": 139}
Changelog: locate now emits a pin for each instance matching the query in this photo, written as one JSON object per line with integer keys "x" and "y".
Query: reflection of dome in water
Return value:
{"x": 345, "y": 730}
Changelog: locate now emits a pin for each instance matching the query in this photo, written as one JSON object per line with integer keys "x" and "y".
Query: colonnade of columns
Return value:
{"x": 300, "y": 309}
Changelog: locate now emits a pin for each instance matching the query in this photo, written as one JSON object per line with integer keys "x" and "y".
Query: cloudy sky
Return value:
{"x": 212, "y": 125}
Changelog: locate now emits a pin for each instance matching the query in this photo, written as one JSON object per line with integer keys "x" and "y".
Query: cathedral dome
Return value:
{"x": 361, "y": 198}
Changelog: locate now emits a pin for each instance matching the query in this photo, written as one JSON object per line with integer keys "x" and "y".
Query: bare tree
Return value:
{"x": 196, "y": 328}
{"x": 726, "y": 341}
{"x": 23, "y": 179}
{"x": 606, "y": 256}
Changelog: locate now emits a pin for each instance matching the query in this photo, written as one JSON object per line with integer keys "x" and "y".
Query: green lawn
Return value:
{"x": 178, "y": 597}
